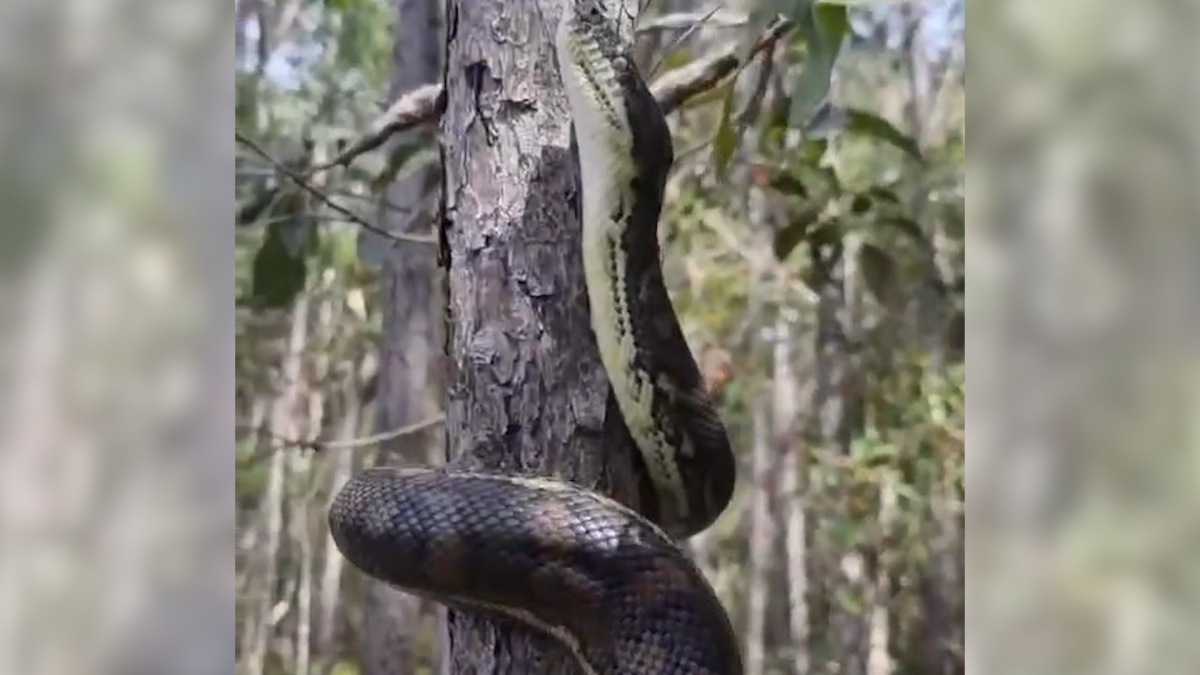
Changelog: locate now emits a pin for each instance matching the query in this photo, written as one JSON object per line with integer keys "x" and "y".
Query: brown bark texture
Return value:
{"x": 526, "y": 391}
{"x": 407, "y": 358}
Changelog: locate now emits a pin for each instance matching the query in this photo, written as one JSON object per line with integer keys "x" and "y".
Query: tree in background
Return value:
{"x": 812, "y": 242}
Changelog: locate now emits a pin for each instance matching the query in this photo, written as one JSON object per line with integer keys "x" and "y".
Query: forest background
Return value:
{"x": 815, "y": 236}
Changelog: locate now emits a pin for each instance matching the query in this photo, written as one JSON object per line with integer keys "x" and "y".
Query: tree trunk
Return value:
{"x": 190, "y": 627}
{"x": 526, "y": 390}
{"x": 791, "y": 468}
{"x": 762, "y": 539}
{"x": 392, "y": 618}
{"x": 330, "y": 595}
{"x": 834, "y": 429}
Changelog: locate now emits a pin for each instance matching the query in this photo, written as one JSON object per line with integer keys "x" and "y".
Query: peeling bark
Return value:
{"x": 526, "y": 391}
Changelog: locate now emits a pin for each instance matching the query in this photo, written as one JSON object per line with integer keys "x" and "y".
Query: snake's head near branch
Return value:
{"x": 594, "y": 42}
{"x": 610, "y": 24}
{"x": 611, "y": 106}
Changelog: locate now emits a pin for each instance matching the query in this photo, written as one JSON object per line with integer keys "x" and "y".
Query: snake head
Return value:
{"x": 595, "y": 41}
{"x": 608, "y": 24}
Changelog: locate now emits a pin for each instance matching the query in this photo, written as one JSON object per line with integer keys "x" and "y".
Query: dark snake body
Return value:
{"x": 610, "y": 584}
{"x": 596, "y": 576}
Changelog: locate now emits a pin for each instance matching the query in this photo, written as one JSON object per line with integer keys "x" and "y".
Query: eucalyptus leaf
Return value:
{"x": 879, "y": 273}
{"x": 798, "y": 228}
{"x": 726, "y": 139}
{"x": 823, "y": 29}
{"x": 279, "y": 275}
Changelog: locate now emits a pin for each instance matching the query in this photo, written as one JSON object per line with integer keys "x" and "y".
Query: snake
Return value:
{"x": 611, "y": 584}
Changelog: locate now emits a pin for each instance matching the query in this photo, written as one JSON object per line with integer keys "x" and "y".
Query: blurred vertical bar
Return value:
{"x": 189, "y": 627}
{"x": 1082, "y": 441}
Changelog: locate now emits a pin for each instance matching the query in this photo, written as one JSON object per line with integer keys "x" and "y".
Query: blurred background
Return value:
{"x": 116, "y": 493}
{"x": 814, "y": 246}
{"x": 845, "y": 550}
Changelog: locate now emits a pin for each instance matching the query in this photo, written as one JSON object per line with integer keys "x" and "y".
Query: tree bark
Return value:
{"x": 407, "y": 291}
{"x": 526, "y": 391}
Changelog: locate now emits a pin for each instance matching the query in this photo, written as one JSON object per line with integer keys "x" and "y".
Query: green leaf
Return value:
{"x": 762, "y": 15}
{"x": 812, "y": 152}
{"x": 823, "y": 28}
{"x": 879, "y": 273}
{"x": 798, "y": 228}
{"x": 795, "y": 10}
{"x": 879, "y": 193}
{"x": 908, "y": 227}
{"x": 788, "y": 184}
{"x": 341, "y": 248}
{"x": 279, "y": 274}
{"x": 873, "y": 126}
{"x": 726, "y": 139}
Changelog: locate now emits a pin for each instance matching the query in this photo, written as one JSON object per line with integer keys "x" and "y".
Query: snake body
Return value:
{"x": 611, "y": 584}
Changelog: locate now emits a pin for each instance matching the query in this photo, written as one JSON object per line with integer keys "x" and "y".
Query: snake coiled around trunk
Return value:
{"x": 611, "y": 584}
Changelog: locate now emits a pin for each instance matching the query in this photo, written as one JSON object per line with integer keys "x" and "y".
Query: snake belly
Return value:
{"x": 610, "y": 584}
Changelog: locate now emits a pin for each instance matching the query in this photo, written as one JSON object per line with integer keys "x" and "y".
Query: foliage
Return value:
{"x": 830, "y": 169}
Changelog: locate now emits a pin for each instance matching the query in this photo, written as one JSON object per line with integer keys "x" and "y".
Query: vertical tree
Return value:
{"x": 526, "y": 391}
{"x": 407, "y": 300}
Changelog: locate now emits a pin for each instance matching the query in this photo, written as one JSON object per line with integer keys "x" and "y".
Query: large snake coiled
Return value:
{"x": 609, "y": 583}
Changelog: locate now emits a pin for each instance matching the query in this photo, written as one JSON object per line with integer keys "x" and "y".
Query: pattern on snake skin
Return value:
{"x": 609, "y": 583}
{"x": 514, "y": 542}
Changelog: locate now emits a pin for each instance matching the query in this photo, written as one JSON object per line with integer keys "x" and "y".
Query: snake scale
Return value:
{"x": 609, "y": 583}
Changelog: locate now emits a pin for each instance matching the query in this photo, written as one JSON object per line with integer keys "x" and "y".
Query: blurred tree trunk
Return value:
{"x": 282, "y": 423}
{"x": 791, "y": 470}
{"x": 835, "y": 429}
{"x": 940, "y": 585}
{"x": 762, "y": 542}
{"x": 190, "y": 627}
{"x": 526, "y": 391}
{"x": 329, "y": 592}
{"x": 408, "y": 301}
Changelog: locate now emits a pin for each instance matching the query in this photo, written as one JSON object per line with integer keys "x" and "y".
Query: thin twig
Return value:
{"x": 690, "y": 30}
{"x": 350, "y": 215}
{"x": 419, "y": 106}
{"x": 375, "y": 439}
{"x": 720, "y": 17}
{"x": 318, "y": 445}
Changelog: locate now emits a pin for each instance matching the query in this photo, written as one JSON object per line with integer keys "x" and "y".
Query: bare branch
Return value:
{"x": 689, "y": 30}
{"x": 426, "y": 104}
{"x": 674, "y": 88}
{"x": 318, "y": 445}
{"x": 719, "y": 16}
{"x": 303, "y": 183}
{"x": 419, "y": 106}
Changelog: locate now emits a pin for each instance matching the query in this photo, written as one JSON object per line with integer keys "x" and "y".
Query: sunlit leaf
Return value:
{"x": 726, "y": 139}
{"x": 823, "y": 29}
{"x": 869, "y": 124}
{"x": 879, "y": 273}
{"x": 341, "y": 247}
{"x": 906, "y": 226}
{"x": 798, "y": 228}
{"x": 788, "y": 184}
